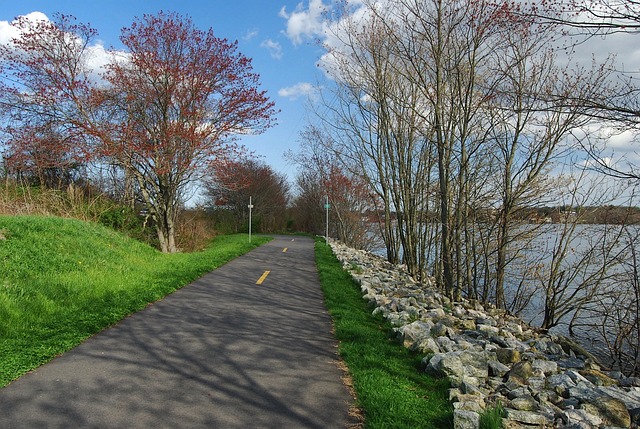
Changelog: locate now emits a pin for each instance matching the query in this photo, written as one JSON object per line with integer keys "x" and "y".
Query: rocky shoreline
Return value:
{"x": 541, "y": 380}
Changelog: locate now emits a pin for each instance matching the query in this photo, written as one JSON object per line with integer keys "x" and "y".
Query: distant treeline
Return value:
{"x": 608, "y": 214}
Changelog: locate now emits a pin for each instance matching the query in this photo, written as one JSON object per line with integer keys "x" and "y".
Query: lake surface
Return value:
{"x": 593, "y": 268}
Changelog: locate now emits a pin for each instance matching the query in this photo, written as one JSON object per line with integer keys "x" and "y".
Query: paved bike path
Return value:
{"x": 222, "y": 352}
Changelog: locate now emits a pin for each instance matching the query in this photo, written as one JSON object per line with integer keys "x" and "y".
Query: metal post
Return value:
{"x": 250, "y": 207}
{"x": 326, "y": 206}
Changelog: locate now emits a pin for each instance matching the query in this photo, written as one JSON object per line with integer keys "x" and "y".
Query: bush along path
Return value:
{"x": 495, "y": 363}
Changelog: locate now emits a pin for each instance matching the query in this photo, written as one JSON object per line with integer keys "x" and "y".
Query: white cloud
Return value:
{"x": 622, "y": 141}
{"x": 337, "y": 34}
{"x": 302, "y": 89}
{"x": 592, "y": 163}
{"x": 250, "y": 35}
{"x": 274, "y": 48}
{"x": 8, "y": 31}
{"x": 304, "y": 23}
{"x": 96, "y": 55}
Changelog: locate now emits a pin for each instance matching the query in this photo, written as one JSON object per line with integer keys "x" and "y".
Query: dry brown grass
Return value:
{"x": 194, "y": 231}
{"x": 73, "y": 202}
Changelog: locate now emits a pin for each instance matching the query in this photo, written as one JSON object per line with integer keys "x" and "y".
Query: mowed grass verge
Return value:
{"x": 63, "y": 280}
{"x": 392, "y": 389}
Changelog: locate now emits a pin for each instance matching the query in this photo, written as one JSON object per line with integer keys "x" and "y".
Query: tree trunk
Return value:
{"x": 501, "y": 262}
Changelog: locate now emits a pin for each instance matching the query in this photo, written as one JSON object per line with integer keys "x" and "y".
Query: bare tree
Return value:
{"x": 581, "y": 258}
{"x": 531, "y": 128}
{"x": 459, "y": 112}
{"x": 446, "y": 50}
{"x": 616, "y": 110}
{"x": 595, "y": 17}
{"x": 322, "y": 179}
{"x": 620, "y": 327}
{"x": 357, "y": 115}
{"x": 608, "y": 320}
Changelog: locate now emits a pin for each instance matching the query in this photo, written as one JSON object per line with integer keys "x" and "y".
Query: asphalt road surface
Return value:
{"x": 223, "y": 352}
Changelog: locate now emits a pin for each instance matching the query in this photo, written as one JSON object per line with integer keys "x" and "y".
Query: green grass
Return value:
{"x": 63, "y": 280}
{"x": 391, "y": 388}
{"x": 492, "y": 418}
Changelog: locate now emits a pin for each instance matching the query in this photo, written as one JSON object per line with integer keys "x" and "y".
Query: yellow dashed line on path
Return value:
{"x": 264, "y": 276}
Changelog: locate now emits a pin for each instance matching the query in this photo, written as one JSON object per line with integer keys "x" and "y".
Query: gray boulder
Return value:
{"x": 579, "y": 419}
{"x": 520, "y": 372}
{"x": 529, "y": 417}
{"x": 497, "y": 369}
{"x": 508, "y": 356}
{"x": 611, "y": 411}
{"x": 525, "y": 403}
{"x": 465, "y": 419}
{"x": 460, "y": 366}
{"x": 414, "y": 332}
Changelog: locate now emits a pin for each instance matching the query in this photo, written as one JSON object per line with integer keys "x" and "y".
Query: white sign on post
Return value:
{"x": 326, "y": 206}
{"x": 250, "y": 207}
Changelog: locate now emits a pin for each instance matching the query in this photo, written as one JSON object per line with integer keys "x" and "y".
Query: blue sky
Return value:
{"x": 278, "y": 35}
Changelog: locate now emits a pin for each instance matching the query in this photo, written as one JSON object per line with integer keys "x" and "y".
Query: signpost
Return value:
{"x": 326, "y": 206}
{"x": 250, "y": 207}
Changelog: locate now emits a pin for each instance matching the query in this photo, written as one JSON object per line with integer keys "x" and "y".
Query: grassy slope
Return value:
{"x": 63, "y": 280}
{"x": 391, "y": 388}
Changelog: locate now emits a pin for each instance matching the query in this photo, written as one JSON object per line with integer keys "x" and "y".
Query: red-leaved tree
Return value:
{"x": 42, "y": 156}
{"x": 353, "y": 205}
{"x": 179, "y": 99}
{"x": 229, "y": 189}
{"x": 166, "y": 109}
{"x": 44, "y": 75}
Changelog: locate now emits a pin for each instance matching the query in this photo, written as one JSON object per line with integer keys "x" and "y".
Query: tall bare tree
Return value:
{"x": 322, "y": 179}
{"x": 531, "y": 127}
{"x": 445, "y": 48}
{"x": 616, "y": 110}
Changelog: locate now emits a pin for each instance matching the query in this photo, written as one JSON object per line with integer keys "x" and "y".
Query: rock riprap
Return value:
{"x": 541, "y": 380}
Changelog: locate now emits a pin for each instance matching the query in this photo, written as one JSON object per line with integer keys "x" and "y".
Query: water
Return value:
{"x": 589, "y": 275}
